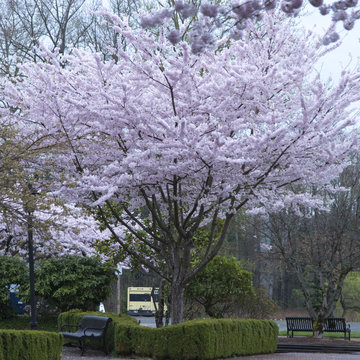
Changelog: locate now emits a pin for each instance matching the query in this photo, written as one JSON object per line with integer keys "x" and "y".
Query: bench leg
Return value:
{"x": 104, "y": 346}
{"x": 82, "y": 346}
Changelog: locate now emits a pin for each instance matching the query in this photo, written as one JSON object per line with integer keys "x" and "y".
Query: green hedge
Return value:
{"x": 73, "y": 317}
{"x": 197, "y": 339}
{"x": 30, "y": 345}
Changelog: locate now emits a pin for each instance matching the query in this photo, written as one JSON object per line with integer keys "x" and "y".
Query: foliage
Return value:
{"x": 21, "y": 322}
{"x": 13, "y": 271}
{"x": 73, "y": 282}
{"x": 30, "y": 345}
{"x": 256, "y": 306}
{"x": 198, "y": 339}
{"x": 349, "y": 299}
{"x": 218, "y": 284}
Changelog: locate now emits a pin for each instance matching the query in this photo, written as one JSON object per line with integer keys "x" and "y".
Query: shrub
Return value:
{"x": 257, "y": 306}
{"x": 217, "y": 285}
{"x": 72, "y": 281}
{"x": 197, "y": 339}
{"x": 30, "y": 345}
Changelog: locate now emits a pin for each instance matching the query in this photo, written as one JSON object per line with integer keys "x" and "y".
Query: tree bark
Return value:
{"x": 159, "y": 309}
{"x": 318, "y": 326}
{"x": 177, "y": 302}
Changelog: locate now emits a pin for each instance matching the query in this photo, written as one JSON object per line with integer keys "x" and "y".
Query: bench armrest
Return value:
{"x": 97, "y": 329}
{"x": 69, "y": 326}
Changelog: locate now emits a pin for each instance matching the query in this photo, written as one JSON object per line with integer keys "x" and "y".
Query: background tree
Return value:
{"x": 24, "y": 24}
{"x": 218, "y": 285}
{"x": 349, "y": 299}
{"x": 257, "y": 306}
{"x": 322, "y": 248}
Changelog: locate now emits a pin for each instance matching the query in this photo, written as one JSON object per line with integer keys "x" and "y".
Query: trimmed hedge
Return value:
{"x": 73, "y": 317}
{"x": 30, "y": 345}
{"x": 197, "y": 339}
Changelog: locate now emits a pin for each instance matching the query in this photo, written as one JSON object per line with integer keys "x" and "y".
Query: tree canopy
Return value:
{"x": 164, "y": 142}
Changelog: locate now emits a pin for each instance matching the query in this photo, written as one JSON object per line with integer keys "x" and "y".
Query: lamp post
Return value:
{"x": 33, "y": 321}
{"x": 29, "y": 208}
{"x": 118, "y": 302}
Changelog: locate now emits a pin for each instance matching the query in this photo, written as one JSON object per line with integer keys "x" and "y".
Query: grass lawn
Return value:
{"x": 22, "y": 322}
{"x": 354, "y": 334}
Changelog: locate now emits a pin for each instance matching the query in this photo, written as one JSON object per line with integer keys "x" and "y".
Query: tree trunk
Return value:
{"x": 159, "y": 310}
{"x": 319, "y": 327}
{"x": 177, "y": 303}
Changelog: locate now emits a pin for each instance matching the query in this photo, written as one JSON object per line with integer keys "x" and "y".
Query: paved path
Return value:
{"x": 300, "y": 356}
{"x": 74, "y": 354}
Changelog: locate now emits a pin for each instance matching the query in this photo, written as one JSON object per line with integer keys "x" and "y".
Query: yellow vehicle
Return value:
{"x": 140, "y": 302}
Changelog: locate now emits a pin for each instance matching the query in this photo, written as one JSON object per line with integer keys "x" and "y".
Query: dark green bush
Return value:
{"x": 69, "y": 282}
{"x": 30, "y": 345}
{"x": 197, "y": 339}
{"x": 218, "y": 284}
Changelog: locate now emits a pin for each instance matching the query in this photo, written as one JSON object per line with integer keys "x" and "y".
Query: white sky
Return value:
{"x": 348, "y": 54}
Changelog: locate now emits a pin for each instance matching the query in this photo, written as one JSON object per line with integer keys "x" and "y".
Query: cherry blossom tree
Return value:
{"x": 168, "y": 145}
{"x": 234, "y": 16}
{"x": 28, "y": 178}
{"x": 59, "y": 230}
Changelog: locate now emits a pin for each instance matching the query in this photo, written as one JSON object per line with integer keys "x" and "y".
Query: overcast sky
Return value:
{"x": 348, "y": 52}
